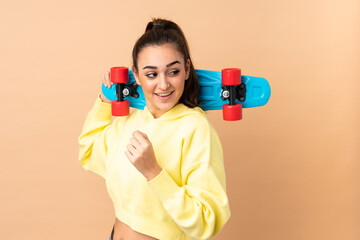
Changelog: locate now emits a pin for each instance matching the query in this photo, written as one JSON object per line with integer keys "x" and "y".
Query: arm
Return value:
{"x": 92, "y": 140}
{"x": 200, "y": 205}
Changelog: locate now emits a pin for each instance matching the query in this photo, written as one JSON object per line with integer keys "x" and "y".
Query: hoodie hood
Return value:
{"x": 178, "y": 111}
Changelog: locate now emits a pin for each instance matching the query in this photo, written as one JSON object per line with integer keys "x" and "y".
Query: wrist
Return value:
{"x": 152, "y": 174}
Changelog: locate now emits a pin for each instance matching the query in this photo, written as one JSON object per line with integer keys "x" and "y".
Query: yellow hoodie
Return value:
{"x": 187, "y": 200}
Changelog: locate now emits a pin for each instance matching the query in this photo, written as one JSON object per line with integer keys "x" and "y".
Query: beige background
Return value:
{"x": 292, "y": 166}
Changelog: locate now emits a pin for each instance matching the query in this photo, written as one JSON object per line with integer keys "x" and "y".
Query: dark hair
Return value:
{"x": 159, "y": 32}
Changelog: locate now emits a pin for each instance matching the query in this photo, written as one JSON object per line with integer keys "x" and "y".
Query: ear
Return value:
{"x": 187, "y": 67}
{"x": 136, "y": 75}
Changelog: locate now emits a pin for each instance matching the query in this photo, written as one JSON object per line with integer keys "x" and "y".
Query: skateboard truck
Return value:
{"x": 240, "y": 92}
{"x": 130, "y": 90}
{"x": 232, "y": 89}
{"x": 120, "y": 76}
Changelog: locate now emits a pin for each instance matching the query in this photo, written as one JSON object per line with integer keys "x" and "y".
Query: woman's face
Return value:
{"x": 162, "y": 75}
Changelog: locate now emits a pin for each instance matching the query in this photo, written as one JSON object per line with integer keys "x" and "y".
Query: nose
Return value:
{"x": 163, "y": 83}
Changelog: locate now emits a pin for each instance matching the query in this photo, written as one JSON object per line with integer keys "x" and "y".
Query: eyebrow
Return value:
{"x": 169, "y": 65}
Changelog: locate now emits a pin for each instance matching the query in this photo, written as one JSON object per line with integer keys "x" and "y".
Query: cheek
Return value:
{"x": 147, "y": 86}
{"x": 181, "y": 86}
{"x": 149, "y": 91}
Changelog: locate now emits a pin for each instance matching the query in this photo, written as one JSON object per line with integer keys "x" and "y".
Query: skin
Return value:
{"x": 141, "y": 154}
{"x": 161, "y": 70}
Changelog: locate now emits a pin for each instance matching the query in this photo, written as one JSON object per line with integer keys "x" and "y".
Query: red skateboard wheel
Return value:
{"x": 119, "y": 74}
{"x": 232, "y": 112}
{"x": 231, "y": 76}
{"x": 119, "y": 108}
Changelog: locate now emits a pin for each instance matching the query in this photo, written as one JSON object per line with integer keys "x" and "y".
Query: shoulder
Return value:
{"x": 201, "y": 144}
{"x": 196, "y": 116}
{"x": 198, "y": 123}
{"x": 135, "y": 117}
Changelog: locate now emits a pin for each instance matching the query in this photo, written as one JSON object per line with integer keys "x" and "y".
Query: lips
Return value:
{"x": 164, "y": 96}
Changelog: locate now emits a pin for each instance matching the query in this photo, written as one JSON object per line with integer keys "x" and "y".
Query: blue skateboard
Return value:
{"x": 227, "y": 90}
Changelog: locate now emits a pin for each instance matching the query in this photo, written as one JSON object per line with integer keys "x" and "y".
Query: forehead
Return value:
{"x": 159, "y": 56}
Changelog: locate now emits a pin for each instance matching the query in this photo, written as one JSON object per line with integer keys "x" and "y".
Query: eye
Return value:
{"x": 151, "y": 75}
{"x": 174, "y": 72}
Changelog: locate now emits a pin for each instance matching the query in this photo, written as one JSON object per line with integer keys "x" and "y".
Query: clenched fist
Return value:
{"x": 141, "y": 154}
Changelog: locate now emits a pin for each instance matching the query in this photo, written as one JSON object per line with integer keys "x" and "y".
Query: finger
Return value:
{"x": 103, "y": 78}
{"x": 129, "y": 155}
{"x": 107, "y": 76}
{"x": 110, "y": 79}
{"x": 107, "y": 79}
{"x": 142, "y": 134}
{"x": 140, "y": 137}
{"x": 131, "y": 149}
{"x": 135, "y": 142}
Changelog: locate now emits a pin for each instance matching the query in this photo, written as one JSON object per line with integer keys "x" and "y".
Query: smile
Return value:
{"x": 164, "y": 96}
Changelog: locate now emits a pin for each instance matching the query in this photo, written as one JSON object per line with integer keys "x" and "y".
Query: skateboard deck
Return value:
{"x": 253, "y": 91}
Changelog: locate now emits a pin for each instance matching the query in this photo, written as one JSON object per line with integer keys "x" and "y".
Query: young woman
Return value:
{"x": 163, "y": 165}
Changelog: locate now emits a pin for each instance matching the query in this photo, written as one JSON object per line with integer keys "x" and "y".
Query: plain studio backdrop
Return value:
{"x": 292, "y": 166}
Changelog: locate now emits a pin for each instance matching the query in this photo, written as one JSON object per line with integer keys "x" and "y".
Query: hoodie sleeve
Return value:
{"x": 92, "y": 140}
{"x": 200, "y": 205}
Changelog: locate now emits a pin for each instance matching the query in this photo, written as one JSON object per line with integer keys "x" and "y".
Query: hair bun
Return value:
{"x": 158, "y": 23}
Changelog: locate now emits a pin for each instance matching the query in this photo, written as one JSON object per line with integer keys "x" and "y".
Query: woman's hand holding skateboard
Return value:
{"x": 105, "y": 79}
